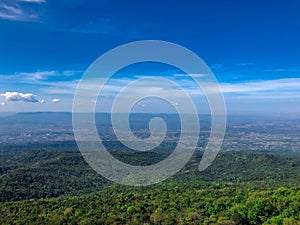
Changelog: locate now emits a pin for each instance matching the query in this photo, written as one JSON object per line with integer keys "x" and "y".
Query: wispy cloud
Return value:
{"x": 60, "y": 16}
{"x": 38, "y": 77}
{"x": 34, "y": 1}
{"x": 191, "y": 75}
{"x": 217, "y": 66}
{"x": 11, "y": 12}
{"x": 287, "y": 88}
{"x": 287, "y": 70}
{"x": 60, "y": 87}
{"x": 16, "y": 11}
{"x": 251, "y": 88}
{"x": 244, "y": 64}
{"x": 289, "y": 84}
{"x": 101, "y": 26}
{"x": 275, "y": 89}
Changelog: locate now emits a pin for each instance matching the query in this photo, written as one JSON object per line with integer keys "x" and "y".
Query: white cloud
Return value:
{"x": 34, "y": 1}
{"x": 60, "y": 87}
{"x": 244, "y": 64}
{"x": 265, "y": 85}
{"x": 197, "y": 75}
{"x": 69, "y": 73}
{"x": 14, "y": 10}
{"x": 216, "y": 66}
{"x": 191, "y": 75}
{"x": 283, "y": 70}
{"x": 39, "y": 75}
{"x": 56, "y": 100}
{"x": 18, "y": 96}
{"x": 11, "y": 12}
{"x": 287, "y": 87}
{"x": 2, "y": 103}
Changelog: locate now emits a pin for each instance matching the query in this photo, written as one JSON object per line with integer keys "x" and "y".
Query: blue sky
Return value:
{"x": 252, "y": 47}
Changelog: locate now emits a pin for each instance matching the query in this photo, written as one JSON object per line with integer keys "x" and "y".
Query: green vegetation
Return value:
{"x": 41, "y": 174}
{"x": 167, "y": 203}
{"x": 58, "y": 187}
{"x": 45, "y": 174}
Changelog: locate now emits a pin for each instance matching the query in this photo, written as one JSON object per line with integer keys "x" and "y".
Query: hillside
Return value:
{"x": 45, "y": 174}
{"x": 167, "y": 203}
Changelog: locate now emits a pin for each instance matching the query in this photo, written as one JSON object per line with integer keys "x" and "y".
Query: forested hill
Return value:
{"x": 166, "y": 203}
{"x": 41, "y": 174}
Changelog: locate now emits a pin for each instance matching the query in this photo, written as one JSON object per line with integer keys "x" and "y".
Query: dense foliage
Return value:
{"x": 51, "y": 187}
{"x": 41, "y": 174}
{"x": 44, "y": 174}
{"x": 167, "y": 203}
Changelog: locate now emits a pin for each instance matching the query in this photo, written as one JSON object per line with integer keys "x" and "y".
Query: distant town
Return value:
{"x": 243, "y": 133}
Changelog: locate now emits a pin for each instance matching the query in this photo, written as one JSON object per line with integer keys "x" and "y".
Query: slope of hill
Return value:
{"x": 165, "y": 203}
{"x": 44, "y": 174}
